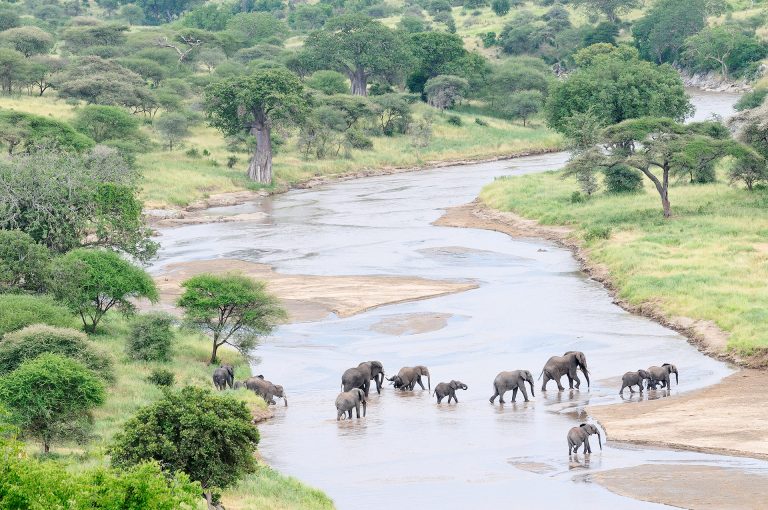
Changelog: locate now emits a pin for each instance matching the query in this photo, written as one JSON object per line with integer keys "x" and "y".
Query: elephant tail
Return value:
{"x": 540, "y": 374}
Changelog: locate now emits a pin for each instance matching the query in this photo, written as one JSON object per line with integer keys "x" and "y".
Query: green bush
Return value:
{"x": 151, "y": 337}
{"x": 33, "y": 341}
{"x": 577, "y": 198}
{"x": 192, "y": 153}
{"x": 23, "y": 262}
{"x": 161, "y": 377}
{"x": 454, "y": 120}
{"x": 597, "y": 232}
{"x": 751, "y": 99}
{"x": 19, "y": 311}
{"x": 623, "y": 179}
{"x": 480, "y": 122}
{"x": 358, "y": 140}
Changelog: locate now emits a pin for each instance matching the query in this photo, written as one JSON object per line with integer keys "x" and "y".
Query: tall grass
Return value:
{"x": 709, "y": 261}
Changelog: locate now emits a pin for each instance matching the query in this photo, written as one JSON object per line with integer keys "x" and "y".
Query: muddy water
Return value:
{"x": 532, "y": 303}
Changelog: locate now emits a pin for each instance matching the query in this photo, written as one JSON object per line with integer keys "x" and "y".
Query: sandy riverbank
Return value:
{"x": 310, "y": 297}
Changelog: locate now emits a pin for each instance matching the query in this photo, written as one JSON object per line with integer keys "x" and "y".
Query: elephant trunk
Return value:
{"x": 365, "y": 405}
{"x": 586, "y": 374}
{"x": 599, "y": 441}
{"x": 285, "y": 401}
{"x": 530, "y": 383}
{"x": 677, "y": 379}
{"x": 429, "y": 382}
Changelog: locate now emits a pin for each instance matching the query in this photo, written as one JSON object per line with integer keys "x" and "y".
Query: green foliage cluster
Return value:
{"x": 18, "y": 311}
{"x": 23, "y": 262}
{"x": 162, "y": 377}
{"x": 151, "y": 337}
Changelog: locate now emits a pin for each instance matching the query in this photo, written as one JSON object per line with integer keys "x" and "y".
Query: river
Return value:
{"x": 532, "y": 302}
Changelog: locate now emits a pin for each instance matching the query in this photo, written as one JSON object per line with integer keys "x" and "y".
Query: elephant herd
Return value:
{"x": 356, "y": 385}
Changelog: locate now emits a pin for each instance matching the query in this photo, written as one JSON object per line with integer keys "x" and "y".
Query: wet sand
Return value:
{"x": 688, "y": 486}
{"x": 310, "y": 297}
{"x": 411, "y": 323}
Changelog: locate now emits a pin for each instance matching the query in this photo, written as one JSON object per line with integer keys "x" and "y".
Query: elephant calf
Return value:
{"x": 634, "y": 379}
{"x": 266, "y": 389}
{"x": 662, "y": 375}
{"x": 347, "y": 400}
{"x": 448, "y": 389}
{"x": 579, "y": 435}
{"x": 224, "y": 376}
{"x": 513, "y": 381}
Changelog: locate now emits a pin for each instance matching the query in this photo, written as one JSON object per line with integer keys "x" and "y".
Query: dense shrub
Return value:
{"x": 751, "y": 99}
{"x": 33, "y": 341}
{"x": 454, "y": 120}
{"x": 23, "y": 262}
{"x": 19, "y": 311}
{"x": 358, "y": 140}
{"x": 161, "y": 377}
{"x": 151, "y": 337}
{"x": 623, "y": 179}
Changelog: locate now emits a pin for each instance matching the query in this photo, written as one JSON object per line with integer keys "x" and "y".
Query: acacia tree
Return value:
{"x": 359, "y": 47}
{"x": 718, "y": 45}
{"x": 445, "y": 90}
{"x": 251, "y": 104}
{"x": 610, "y": 8}
{"x": 235, "y": 309}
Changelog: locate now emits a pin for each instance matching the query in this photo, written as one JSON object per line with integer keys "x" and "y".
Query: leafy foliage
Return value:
{"x": 103, "y": 123}
{"x": 18, "y": 311}
{"x": 444, "y": 91}
{"x": 29, "y": 132}
{"x": 151, "y": 337}
{"x": 23, "y": 262}
{"x": 50, "y": 398}
{"x": 161, "y": 377}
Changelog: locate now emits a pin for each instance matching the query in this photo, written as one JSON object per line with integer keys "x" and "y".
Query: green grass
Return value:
{"x": 709, "y": 261}
{"x": 266, "y": 488}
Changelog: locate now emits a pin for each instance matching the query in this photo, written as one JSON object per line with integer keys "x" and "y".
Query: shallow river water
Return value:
{"x": 532, "y": 302}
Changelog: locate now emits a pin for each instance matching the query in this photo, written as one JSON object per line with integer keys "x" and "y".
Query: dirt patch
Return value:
{"x": 729, "y": 418}
{"x": 688, "y": 486}
{"x": 411, "y": 323}
{"x": 310, "y": 297}
{"x": 533, "y": 467}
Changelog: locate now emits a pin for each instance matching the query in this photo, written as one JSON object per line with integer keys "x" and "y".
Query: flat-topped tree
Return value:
{"x": 359, "y": 47}
{"x": 252, "y": 103}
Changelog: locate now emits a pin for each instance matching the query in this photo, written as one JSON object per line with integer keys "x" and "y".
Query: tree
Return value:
{"x": 23, "y": 262}
{"x": 165, "y": 11}
{"x": 749, "y": 171}
{"x": 610, "y": 8}
{"x": 132, "y": 14}
{"x": 433, "y": 52}
{"x": 211, "y": 58}
{"x": 359, "y": 47}
{"x": 250, "y": 28}
{"x": 92, "y": 282}
{"x": 393, "y": 112}
{"x": 234, "y": 309}
{"x": 9, "y": 17}
{"x": 500, "y": 7}
{"x": 661, "y": 33}
{"x": 615, "y": 85}
{"x": 79, "y": 38}
{"x": 28, "y": 40}
{"x": 173, "y": 127}
{"x": 724, "y": 47}
{"x": 106, "y": 122}
{"x": 444, "y": 91}
{"x": 51, "y": 397}
{"x": 253, "y": 103}
{"x": 29, "y": 131}
{"x": 40, "y": 68}
{"x": 12, "y": 69}
{"x": 210, "y": 438}
{"x": 328, "y": 82}
{"x": 523, "y": 104}
{"x": 65, "y": 200}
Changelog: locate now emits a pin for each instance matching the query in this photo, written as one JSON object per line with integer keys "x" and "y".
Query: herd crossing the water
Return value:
{"x": 356, "y": 384}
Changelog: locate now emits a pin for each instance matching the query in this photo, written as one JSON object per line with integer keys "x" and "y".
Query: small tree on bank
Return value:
{"x": 234, "y": 309}
{"x": 50, "y": 398}
{"x": 208, "y": 437}
{"x": 253, "y": 103}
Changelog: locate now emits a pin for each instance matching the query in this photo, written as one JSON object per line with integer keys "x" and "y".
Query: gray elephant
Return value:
{"x": 224, "y": 376}
{"x": 361, "y": 376}
{"x": 448, "y": 389}
{"x": 348, "y": 400}
{"x": 512, "y": 381}
{"x": 265, "y": 389}
{"x": 634, "y": 379}
{"x": 407, "y": 378}
{"x": 567, "y": 364}
{"x": 662, "y": 375}
{"x": 579, "y": 435}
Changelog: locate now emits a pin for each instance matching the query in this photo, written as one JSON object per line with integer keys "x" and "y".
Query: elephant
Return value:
{"x": 241, "y": 384}
{"x": 579, "y": 435}
{"x": 448, "y": 389}
{"x": 407, "y": 378}
{"x": 224, "y": 376}
{"x": 513, "y": 380}
{"x": 266, "y": 389}
{"x": 348, "y": 400}
{"x": 662, "y": 375}
{"x": 361, "y": 376}
{"x": 558, "y": 366}
{"x": 634, "y": 379}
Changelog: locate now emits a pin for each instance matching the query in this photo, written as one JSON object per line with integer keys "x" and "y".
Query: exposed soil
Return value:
{"x": 411, "y": 323}
{"x": 310, "y": 297}
{"x": 688, "y": 486}
{"x": 729, "y": 418}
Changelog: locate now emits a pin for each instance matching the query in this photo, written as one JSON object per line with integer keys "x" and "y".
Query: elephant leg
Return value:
{"x": 455, "y": 400}
{"x": 514, "y": 394}
{"x": 418, "y": 380}
{"x": 339, "y": 414}
{"x": 366, "y": 387}
{"x": 621, "y": 391}
{"x": 495, "y": 394}
{"x": 570, "y": 381}
{"x": 357, "y": 409}
{"x": 349, "y": 413}
{"x": 544, "y": 383}
{"x": 576, "y": 379}
{"x": 525, "y": 392}
{"x": 559, "y": 384}
{"x": 501, "y": 394}
{"x": 440, "y": 398}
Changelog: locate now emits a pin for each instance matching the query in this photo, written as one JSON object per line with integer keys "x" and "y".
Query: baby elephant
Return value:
{"x": 579, "y": 435}
{"x": 634, "y": 379}
{"x": 448, "y": 389}
{"x": 224, "y": 376}
{"x": 348, "y": 400}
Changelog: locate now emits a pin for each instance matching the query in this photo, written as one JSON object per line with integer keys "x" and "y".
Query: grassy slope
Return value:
{"x": 710, "y": 261}
{"x": 265, "y": 488}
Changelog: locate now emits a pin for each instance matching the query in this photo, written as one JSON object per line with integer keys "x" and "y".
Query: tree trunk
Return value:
{"x": 214, "y": 351}
{"x": 665, "y": 193}
{"x": 359, "y": 82}
{"x": 260, "y": 167}
{"x": 209, "y": 501}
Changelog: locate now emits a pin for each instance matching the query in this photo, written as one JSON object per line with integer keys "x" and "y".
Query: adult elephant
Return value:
{"x": 266, "y": 390}
{"x": 662, "y": 375}
{"x": 580, "y": 435}
{"x": 348, "y": 400}
{"x": 408, "y": 377}
{"x": 567, "y": 364}
{"x": 224, "y": 376}
{"x": 512, "y": 381}
{"x": 362, "y": 375}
